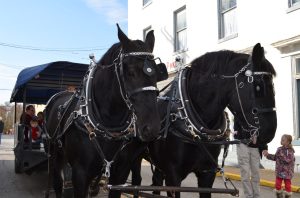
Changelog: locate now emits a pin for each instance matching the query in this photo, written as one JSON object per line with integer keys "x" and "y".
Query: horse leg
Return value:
{"x": 50, "y": 171}
{"x": 80, "y": 181}
{"x": 57, "y": 182}
{"x": 57, "y": 168}
{"x": 157, "y": 180}
{"x": 118, "y": 176}
{"x": 173, "y": 179}
{"x": 205, "y": 180}
{"x": 136, "y": 178}
{"x": 56, "y": 164}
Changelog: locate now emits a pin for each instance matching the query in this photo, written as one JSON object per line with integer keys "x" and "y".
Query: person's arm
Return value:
{"x": 271, "y": 156}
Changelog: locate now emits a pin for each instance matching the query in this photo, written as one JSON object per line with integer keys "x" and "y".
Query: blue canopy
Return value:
{"x": 37, "y": 84}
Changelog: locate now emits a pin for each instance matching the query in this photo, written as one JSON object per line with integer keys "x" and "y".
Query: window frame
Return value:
{"x": 148, "y": 2}
{"x": 176, "y": 31}
{"x": 292, "y": 6}
{"x": 296, "y": 95}
{"x": 221, "y": 34}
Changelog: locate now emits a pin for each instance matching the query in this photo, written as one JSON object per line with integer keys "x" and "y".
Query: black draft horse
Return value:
{"x": 91, "y": 129}
{"x": 214, "y": 81}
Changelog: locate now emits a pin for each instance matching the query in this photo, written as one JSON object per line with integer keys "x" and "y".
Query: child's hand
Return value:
{"x": 265, "y": 153}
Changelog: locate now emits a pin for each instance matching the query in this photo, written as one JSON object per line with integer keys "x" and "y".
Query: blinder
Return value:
{"x": 149, "y": 67}
{"x": 160, "y": 69}
{"x": 259, "y": 88}
{"x": 162, "y": 72}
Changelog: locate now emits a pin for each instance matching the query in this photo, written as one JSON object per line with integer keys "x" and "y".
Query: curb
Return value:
{"x": 263, "y": 182}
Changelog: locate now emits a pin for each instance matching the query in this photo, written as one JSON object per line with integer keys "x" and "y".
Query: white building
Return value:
{"x": 190, "y": 28}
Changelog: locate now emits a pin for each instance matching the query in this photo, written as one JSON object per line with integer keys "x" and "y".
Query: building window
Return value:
{"x": 227, "y": 18}
{"x": 296, "y": 71}
{"x": 294, "y": 3}
{"x": 146, "y": 2}
{"x": 145, "y": 32}
{"x": 180, "y": 30}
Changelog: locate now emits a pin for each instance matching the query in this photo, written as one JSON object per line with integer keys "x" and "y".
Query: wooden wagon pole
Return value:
{"x": 131, "y": 188}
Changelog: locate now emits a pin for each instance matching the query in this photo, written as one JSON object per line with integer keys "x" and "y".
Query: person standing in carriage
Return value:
{"x": 249, "y": 155}
{"x": 25, "y": 119}
{"x": 36, "y": 130}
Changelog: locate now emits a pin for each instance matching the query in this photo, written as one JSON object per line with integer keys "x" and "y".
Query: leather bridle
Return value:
{"x": 86, "y": 109}
{"x": 251, "y": 128}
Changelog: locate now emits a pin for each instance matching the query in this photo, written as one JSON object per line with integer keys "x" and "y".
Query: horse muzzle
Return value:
{"x": 148, "y": 133}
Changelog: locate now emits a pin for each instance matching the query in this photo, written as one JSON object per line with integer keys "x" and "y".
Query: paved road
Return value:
{"x": 33, "y": 186}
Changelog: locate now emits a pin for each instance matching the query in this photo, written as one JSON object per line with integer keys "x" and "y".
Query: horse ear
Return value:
{"x": 150, "y": 40}
{"x": 258, "y": 55}
{"x": 122, "y": 37}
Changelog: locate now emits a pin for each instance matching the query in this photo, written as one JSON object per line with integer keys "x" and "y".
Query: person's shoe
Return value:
{"x": 287, "y": 194}
{"x": 279, "y": 193}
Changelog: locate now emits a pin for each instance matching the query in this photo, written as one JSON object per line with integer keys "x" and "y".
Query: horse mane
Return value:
{"x": 110, "y": 55}
{"x": 225, "y": 62}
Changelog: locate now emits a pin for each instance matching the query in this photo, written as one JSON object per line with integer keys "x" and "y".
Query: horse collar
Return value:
{"x": 185, "y": 111}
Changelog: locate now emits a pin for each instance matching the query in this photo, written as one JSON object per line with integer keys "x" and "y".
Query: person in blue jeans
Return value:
{"x": 1, "y": 128}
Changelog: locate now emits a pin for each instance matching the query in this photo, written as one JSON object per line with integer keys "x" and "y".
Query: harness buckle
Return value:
{"x": 250, "y": 79}
{"x": 59, "y": 143}
{"x": 83, "y": 109}
{"x": 76, "y": 114}
{"x": 173, "y": 117}
{"x": 256, "y": 120}
{"x": 92, "y": 135}
{"x": 107, "y": 168}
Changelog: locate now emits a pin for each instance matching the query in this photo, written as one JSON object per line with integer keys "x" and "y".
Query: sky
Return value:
{"x": 35, "y": 32}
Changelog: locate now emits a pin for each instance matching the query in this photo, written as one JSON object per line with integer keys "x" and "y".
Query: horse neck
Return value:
{"x": 208, "y": 99}
{"x": 108, "y": 98}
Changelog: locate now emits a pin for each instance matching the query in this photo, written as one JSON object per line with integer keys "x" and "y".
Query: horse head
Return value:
{"x": 139, "y": 74}
{"x": 253, "y": 101}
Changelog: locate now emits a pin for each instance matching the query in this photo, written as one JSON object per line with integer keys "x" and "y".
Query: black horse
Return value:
{"x": 193, "y": 116}
{"x": 92, "y": 128}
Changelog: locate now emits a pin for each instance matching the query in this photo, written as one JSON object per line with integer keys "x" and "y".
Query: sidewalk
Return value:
{"x": 267, "y": 177}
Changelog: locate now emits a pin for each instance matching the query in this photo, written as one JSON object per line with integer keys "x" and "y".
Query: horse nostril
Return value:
{"x": 146, "y": 130}
{"x": 147, "y": 133}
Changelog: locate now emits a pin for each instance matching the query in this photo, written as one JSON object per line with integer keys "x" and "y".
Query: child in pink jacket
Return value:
{"x": 285, "y": 162}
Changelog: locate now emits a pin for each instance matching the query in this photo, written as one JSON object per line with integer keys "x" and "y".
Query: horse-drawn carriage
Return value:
{"x": 36, "y": 85}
